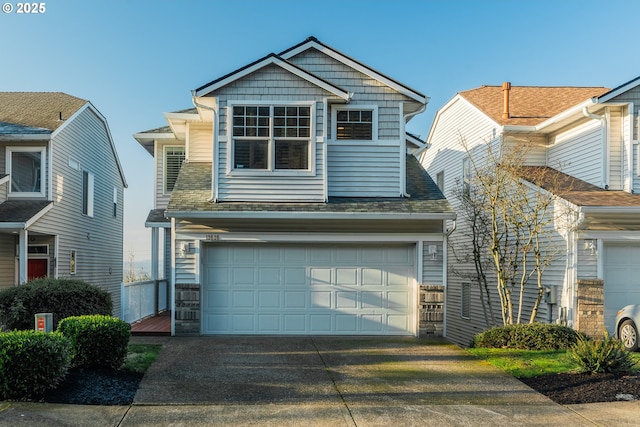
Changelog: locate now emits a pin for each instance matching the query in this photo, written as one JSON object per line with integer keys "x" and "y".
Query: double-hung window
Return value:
{"x": 26, "y": 166}
{"x": 271, "y": 137}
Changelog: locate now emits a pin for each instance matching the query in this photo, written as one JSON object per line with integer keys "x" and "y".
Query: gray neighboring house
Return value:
{"x": 291, "y": 203}
{"x": 61, "y": 192}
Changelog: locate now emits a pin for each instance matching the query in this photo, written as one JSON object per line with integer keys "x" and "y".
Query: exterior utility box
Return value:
{"x": 44, "y": 322}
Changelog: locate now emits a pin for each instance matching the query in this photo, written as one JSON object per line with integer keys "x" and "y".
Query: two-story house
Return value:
{"x": 61, "y": 192}
{"x": 590, "y": 136}
{"x": 291, "y": 202}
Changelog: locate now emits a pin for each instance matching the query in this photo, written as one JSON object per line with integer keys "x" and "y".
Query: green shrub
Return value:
{"x": 96, "y": 340}
{"x": 62, "y": 297}
{"x": 607, "y": 355}
{"x": 32, "y": 362}
{"x": 533, "y": 336}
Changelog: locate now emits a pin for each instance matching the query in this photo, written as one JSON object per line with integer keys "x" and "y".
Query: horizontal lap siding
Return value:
{"x": 200, "y": 143}
{"x": 7, "y": 261}
{"x": 432, "y": 273}
{"x": 97, "y": 240}
{"x": 578, "y": 152}
{"x": 363, "y": 171}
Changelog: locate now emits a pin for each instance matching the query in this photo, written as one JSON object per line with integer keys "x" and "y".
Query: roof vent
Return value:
{"x": 506, "y": 88}
{"x": 60, "y": 119}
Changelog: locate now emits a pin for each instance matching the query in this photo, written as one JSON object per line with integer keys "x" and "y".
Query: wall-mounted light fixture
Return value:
{"x": 432, "y": 250}
{"x": 590, "y": 246}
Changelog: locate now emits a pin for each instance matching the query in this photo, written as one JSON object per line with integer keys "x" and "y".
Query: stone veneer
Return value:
{"x": 590, "y": 312}
{"x": 431, "y": 311}
{"x": 187, "y": 309}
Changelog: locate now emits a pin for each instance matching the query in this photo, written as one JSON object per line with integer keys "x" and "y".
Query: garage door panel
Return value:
{"x": 269, "y": 299}
{"x": 346, "y": 299}
{"x": 275, "y": 289}
{"x": 621, "y": 280}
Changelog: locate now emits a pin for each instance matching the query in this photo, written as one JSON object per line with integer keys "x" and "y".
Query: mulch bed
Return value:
{"x": 568, "y": 389}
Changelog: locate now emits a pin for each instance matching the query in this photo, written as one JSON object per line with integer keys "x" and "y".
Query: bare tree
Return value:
{"x": 512, "y": 221}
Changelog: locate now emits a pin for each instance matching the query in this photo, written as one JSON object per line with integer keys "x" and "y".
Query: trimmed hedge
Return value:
{"x": 62, "y": 297}
{"x": 533, "y": 336}
{"x": 32, "y": 362}
{"x": 97, "y": 340}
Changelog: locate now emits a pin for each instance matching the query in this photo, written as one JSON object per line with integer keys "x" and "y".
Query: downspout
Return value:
{"x": 214, "y": 149}
{"x": 403, "y": 148}
{"x": 605, "y": 160}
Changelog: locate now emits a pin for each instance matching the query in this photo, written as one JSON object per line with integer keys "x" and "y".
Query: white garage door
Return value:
{"x": 621, "y": 280}
{"x": 330, "y": 290}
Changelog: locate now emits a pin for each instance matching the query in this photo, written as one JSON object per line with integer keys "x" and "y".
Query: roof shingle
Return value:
{"x": 38, "y": 109}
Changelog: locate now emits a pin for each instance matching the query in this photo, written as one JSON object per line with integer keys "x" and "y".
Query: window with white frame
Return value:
{"x": 352, "y": 124}
{"x": 465, "y": 303}
{"x": 88, "y": 183}
{"x": 271, "y": 137}
{"x": 466, "y": 177}
{"x": 26, "y": 166}
{"x": 115, "y": 201}
{"x": 440, "y": 180}
{"x": 173, "y": 159}
{"x": 72, "y": 262}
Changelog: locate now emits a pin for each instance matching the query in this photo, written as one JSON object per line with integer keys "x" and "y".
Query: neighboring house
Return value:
{"x": 291, "y": 204}
{"x": 590, "y": 135}
{"x": 61, "y": 192}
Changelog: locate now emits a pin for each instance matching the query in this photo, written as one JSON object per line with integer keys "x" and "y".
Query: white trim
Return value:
{"x": 172, "y": 278}
{"x": 374, "y": 122}
{"x": 274, "y": 60}
{"x": 615, "y": 92}
{"x": 165, "y": 148}
{"x": 25, "y": 137}
{"x": 357, "y": 66}
{"x": 56, "y": 256}
{"x": 271, "y": 171}
{"x": 43, "y": 176}
{"x": 310, "y": 215}
{"x": 73, "y": 256}
{"x": 38, "y": 215}
{"x": 356, "y": 238}
{"x": 90, "y": 193}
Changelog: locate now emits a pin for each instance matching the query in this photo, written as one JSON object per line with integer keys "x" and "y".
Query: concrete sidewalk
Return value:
{"x": 303, "y": 381}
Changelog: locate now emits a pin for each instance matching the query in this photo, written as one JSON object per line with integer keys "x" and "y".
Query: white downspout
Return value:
{"x": 605, "y": 137}
{"x": 214, "y": 149}
{"x": 403, "y": 147}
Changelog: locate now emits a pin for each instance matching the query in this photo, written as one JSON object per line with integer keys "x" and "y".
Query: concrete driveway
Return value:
{"x": 304, "y": 381}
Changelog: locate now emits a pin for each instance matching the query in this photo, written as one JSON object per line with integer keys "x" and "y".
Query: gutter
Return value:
{"x": 310, "y": 215}
{"x": 214, "y": 148}
{"x": 605, "y": 137}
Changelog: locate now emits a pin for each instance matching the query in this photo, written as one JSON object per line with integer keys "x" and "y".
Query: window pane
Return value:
{"x": 26, "y": 172}
{"x": 354, "y": 124}
{"x": 174, "y": 157}
{"x": 250, "y": 155}
{"x": 292, "y": 155}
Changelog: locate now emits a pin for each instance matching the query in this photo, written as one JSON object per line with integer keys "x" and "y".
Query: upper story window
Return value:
{"x": 440, "y": 180}
{"x": 271, "y": 137}
{"x": 26, "y": 166}
{"x": 88, "y": 184}
{"x": 173, "y": 159}
{"x": 354, "y": 122}
{"x": 466, "y": 176}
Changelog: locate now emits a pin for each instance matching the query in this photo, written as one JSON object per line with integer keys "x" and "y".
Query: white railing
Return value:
{"x": 139, "y": 299}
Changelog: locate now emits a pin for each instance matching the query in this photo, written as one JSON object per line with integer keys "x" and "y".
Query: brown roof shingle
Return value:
{"x": 528, "y": 105}
{"x": 576, "y": 191}
{"x": 38, "y": 109}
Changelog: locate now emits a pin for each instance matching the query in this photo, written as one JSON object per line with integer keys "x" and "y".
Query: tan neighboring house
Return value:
{"x": 590, "y": 135}
{"x": 292, "y": 205}
{"x": 61, "y": 192}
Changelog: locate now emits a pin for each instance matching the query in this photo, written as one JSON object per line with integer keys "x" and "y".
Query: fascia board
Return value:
{"x": 359, "y": 67}
{"x": 13, "y": 225}
{"x": 5, "y": 179}
{"x": 310, "y": 215}
{"x": 37, "y": 216}
{"x": 25, "y": 137}
{"x": 619, "y": 90}
{"x": 143, "y": 136}
{"x": 273, "y": 60}
{"x": 166, "y": 224}
{"x": 632, "y": 210}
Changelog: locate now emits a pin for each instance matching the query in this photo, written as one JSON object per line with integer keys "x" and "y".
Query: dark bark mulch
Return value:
{"x": 570, "y": 389}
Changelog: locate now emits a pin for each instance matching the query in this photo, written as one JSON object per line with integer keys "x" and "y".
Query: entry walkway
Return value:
{"x": 276, "y": 381}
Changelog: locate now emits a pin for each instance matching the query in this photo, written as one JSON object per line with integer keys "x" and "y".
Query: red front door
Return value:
{"x": 38, "y": 267}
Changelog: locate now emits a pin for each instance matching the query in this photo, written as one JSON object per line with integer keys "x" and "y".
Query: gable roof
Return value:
{"x": 528, "y": 105}
{"x": 190, "y": 199}
{"x": 619, "y": 90}
{"x": 271, "y": 59}
{"x": 43, "y": 110}
{"x": 314, "y": 43}
{"x": 22, "y": 213}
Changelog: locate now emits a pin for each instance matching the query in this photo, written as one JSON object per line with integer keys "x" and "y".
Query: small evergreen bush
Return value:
{"x": 607, "y": 355}
{"x": 62, "y": 297}
{"x": 529, "y": 336}
{"x": 32, "y": 362}
{"x": 96, "y": 340}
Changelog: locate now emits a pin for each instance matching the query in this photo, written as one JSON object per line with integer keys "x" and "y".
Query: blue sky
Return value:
{"x": 135, "y": 60}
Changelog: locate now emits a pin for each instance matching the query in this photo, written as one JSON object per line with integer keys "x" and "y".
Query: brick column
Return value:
{"x": 187, "y": 315}
{"x": 590, "y": 312}
{"x": 431, "y": 321}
